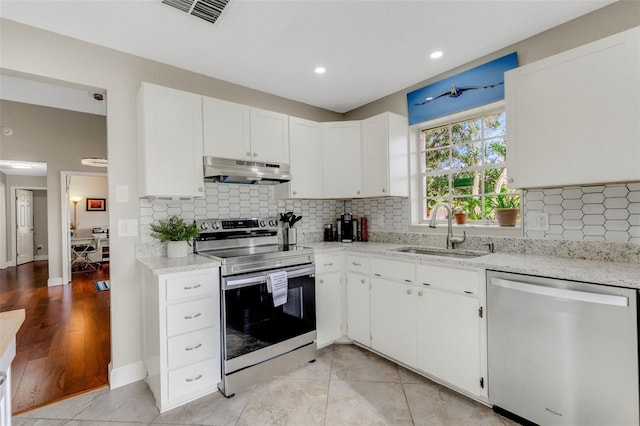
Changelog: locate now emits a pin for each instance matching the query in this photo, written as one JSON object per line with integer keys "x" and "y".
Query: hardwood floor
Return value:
{"x": 63, "y": 347}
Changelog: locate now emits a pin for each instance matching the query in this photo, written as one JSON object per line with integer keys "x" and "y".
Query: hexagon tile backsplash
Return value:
{"x": 591, "y": 213}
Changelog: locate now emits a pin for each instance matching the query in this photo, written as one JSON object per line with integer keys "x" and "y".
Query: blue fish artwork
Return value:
{"x": 478, "y": 86}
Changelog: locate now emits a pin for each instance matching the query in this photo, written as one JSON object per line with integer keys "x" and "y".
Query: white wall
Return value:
{"x": 40, "y": 225}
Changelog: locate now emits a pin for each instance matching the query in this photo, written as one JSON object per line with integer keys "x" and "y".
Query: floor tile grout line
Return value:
{"x": 253, "y": 392}
{"x": 326, "y": 405}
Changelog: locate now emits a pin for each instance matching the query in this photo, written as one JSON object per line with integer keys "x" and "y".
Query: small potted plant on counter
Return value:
{"x": 506, "y": 208}
{"x": 460, "y": 215}
{"x": 177, "y": 234}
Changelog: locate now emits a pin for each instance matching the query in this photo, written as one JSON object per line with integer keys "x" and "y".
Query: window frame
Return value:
{"x": 417, "y": 188}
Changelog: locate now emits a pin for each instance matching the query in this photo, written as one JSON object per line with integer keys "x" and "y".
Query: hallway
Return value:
{"x": 63, "y": 347}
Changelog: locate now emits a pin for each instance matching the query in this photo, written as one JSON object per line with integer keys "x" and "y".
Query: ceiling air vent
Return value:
{"x": 209, "y": 10}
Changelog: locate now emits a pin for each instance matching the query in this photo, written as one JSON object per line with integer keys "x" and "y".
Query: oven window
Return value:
{"x": 252, "y": 322}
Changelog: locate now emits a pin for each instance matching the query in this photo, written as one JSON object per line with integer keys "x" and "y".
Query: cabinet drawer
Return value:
{"x": 195, "y": 285}
{"x": 358, "y": 264}
{"x": 193, "y": 347}
{"x": 449, "y": 279}
{"x": 329, "y": 263}
{"x": 394, "y": 270}
{"x": 190, "y": 316}
{"x": 194, "y": 378}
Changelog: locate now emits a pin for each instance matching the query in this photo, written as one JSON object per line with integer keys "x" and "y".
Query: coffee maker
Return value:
{"x": 347, "y": 228}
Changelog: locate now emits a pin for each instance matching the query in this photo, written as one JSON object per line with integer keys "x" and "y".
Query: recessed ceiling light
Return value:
{"x": 436, "y": 54}
{"x": 320, "y": 70}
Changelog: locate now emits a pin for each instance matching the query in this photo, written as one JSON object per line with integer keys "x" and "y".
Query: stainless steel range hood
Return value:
{"x": 248, "y": 172}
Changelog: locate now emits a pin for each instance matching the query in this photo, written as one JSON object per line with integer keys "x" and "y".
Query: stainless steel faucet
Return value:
{"x": 451, "y": 239}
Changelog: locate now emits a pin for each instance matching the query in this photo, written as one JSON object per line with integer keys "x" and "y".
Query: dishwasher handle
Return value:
{"x": 561, "y": 293}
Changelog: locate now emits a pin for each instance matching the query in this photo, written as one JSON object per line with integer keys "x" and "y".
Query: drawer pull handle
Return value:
{"x": 408, "y": 281}
{"x": 362, "y": 280}
{"x": 190, "y": 348}
{"x": 409, "y": 292}
{"x": 356, "y": 264}
{"x": 328, "y": 264}
{"x": 420, "y": 293}
{"x": 377, "y": 275}
{"x": 198, "y": 377}
{"x": 427, "y": 284}
{"x": 191, "y": 287}
{"x": 468, "y": 292}
{"x": 187, "y": 317}
{"x": 321, "y": 281}
{"x": 3, "y": 377}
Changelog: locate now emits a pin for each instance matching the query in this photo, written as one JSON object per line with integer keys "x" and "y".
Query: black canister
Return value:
{"x": 328, "y": 232}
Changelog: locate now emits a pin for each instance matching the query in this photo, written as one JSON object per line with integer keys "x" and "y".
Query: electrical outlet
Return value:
{"x": 537, "y": 221}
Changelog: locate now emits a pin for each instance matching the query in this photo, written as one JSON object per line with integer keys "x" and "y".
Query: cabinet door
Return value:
{"x": 269, "y": 136}
{"x": 170, "y": 142}
{"x": 573, "y": 117}
{"x": 448, "y": 327}
{"x": 393, "y": 320}
{"x": 305, "y": 150}
{"x": 341, "y": 159}
{"x": 328, "y": 308}
{"x": 227, "y": 132}
{"x": 358, "y": 309}
{"x": 375, "y": 156}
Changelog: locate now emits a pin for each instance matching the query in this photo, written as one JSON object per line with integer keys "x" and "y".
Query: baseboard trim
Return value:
{"x": 52, "y": 282}
{"x": 41, "y": 257}
{"x": 126, "y": 374}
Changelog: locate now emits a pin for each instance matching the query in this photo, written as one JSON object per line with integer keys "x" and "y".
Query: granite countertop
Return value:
{"x": 159, "y": 265}
{"x": 10, "y": 323}
{"x": 591, "y": 271}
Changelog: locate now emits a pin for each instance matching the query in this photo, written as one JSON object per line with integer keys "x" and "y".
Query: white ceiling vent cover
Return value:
{"x": 209, "y": 10}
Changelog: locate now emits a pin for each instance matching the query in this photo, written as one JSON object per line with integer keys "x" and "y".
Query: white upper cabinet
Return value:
{"x": 241, "y": 132}
{"x": 227, "y": 131}
{"x": 573, "y": 117}
{"x": 269, "y": 136}
{"x": 341, "y": 159}
{"x": 169, "y": 142}
{"x": 305, "y": 152}
{"x": 384, "y": 150}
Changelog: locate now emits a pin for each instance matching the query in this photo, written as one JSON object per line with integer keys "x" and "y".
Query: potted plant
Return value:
{"x": 507, "y": 208}
{"x": 177, "y": 234}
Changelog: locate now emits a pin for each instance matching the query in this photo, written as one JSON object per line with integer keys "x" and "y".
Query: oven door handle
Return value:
{"x": 262, "y": 279}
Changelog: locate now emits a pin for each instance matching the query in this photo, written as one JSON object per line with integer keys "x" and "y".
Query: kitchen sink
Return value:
{"x": 464, "y": 254}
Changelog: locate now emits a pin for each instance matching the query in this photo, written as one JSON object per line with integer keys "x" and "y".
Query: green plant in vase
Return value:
{"x": 176, "y": 233}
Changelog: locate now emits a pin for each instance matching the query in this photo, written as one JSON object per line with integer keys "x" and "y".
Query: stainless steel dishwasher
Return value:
{"x": 562, "y": 352}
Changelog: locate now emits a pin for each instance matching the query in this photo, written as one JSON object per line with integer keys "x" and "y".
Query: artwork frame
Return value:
{"x": 477, "y": 86}
{"x": 96, "y": 204}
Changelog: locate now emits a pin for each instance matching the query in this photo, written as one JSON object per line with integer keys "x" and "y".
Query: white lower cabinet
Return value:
{"x": 359, "y": 308}
{"x": 329, "y": 299}
{"x": 393, "y": 320}
{"x": 449, "y": 321}
{"x": 181, "y": 335}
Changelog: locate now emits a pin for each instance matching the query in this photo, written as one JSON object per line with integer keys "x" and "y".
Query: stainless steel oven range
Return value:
{"x": 262, "y": 335}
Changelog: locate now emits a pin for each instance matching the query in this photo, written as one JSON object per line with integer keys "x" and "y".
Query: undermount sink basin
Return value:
{"x": 437, "y": 252}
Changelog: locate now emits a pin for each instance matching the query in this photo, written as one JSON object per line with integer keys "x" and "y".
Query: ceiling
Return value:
{"x": 370, "y": 48}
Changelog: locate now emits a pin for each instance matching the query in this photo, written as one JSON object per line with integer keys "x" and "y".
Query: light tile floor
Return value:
{"x": 347, "y": 385}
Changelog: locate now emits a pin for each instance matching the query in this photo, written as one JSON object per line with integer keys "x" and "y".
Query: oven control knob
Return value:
{"x": 204, "y": 226}
{"x": 215, "y": 225}
{"x": 272, "y": 222}
{"x": 262, "y": 224}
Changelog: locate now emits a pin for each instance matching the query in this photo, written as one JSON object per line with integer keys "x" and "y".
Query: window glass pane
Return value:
{"x": 442, "y": 213}
{"x": 495, "y": 180}
{"x": 436, "y": 137}
{"x": 495, "y": 151}
{"x": 437, "y": 159}
{"x": 471, "y": 205}
{"x": 465, "y": 183}
{"x": 466, "y": 131}
{"x": 494, "y": 125}
{"x": 437, "y": 186}
{"x": 466, "y": 155}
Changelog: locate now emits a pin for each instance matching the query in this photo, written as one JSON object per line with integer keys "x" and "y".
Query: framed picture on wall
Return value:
{"x": 96, "y": 204}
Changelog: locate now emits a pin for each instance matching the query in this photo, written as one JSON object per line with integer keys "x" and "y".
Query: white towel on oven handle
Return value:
{"x": 278, "y": 285}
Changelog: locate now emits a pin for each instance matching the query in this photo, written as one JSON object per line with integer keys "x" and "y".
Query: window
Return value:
{"x": 464, "y": 164}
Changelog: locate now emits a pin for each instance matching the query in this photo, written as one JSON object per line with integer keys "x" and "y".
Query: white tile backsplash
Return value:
{"x": 593, "y": 213}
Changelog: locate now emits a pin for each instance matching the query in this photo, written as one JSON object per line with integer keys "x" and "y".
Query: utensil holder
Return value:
{"x": 289, "y": 236}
